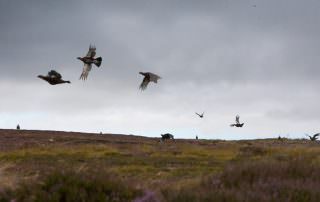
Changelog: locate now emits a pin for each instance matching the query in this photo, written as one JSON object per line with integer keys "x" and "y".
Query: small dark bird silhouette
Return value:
{"x": 237, "y": 124}
{"x": 200, "y": 115}
{"x": 314, "y": 137}
{"x": 53, "y": 78}
{"x": 148, "y": 77}
{"x": 282, "y": 138}
{"x": 166, "y": 136}
{"x": 88, "y": 60}
{"x": 18, "y": 127}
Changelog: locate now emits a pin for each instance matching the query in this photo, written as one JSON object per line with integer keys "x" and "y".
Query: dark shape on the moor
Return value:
{"x": 314, "y": 137}
{"x": 237, "y": 124}
{"x": 200, "y": 115}
{"x": 148, "y": 77}
{"x": 166, "y": 136}
{"x": 53, "y": 78}
{"x": 88, "y": 60}
{"x": 18, "y": 127}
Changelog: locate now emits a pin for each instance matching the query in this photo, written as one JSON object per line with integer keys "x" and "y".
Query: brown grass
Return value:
{"x": 181, "y": 170}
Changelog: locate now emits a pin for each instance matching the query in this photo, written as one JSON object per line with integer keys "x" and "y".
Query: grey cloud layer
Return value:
{"x": 224, "y": 57}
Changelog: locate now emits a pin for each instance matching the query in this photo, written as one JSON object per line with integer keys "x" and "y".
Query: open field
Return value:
{"x": 67, "y": 166}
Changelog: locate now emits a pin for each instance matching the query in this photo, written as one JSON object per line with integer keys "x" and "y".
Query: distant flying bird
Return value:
{"x": 88, "y": 60}
{"x": 148, "y": 77}
{"x": 237, "y": 124}
{"x": 53, "y": 78}
{"x": 314, "y": 137}
{"x": 200, "y": 115}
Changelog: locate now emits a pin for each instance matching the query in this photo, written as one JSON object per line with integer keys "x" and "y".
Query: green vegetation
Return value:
{"x": 181, "y": 170}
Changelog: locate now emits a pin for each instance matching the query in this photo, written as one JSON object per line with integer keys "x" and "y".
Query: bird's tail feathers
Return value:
{"x": 98, "y": 61}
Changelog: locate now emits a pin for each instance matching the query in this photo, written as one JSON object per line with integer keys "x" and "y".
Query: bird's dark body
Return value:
{"x": 91, "y": 60}
{"x": 239, "y": 125}
{"x": 166, "y": 136}
{"x": 314, "y": 137}
{"x": 87, "y": 60}
{"x": 200, "y": 115}
{"x": 148, "y": 77}
{"x": 53, "y": 80}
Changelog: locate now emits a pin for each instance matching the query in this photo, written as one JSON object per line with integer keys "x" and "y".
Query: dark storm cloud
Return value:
{"x": 225, "y": 57}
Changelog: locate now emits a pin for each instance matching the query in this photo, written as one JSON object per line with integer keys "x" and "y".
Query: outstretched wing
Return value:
{"x": 154, "y": 77}
{"x": 198, "y": 114}
{"x": 316, "y": 135}
{"x": 85, "y": 71}
{"x": 92, "y": 51}
{"x": 145, "y": 83}
{"x": 238, "y": 119}
{"x": 54, "y": 74}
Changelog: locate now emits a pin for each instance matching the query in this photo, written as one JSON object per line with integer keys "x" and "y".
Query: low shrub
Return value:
{"x": 295, "y": 180}
{"x": 73, "y": 187}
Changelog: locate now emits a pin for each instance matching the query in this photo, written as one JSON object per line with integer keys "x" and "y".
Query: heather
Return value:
{"x": 61, "y": 166}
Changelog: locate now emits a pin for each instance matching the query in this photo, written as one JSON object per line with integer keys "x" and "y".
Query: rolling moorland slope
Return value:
{"x": 70, "y": 166}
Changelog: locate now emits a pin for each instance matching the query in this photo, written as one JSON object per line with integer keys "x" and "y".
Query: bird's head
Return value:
{"x": 79, "y": 58}
{"x": 40, "y": 76}
{"x": 142, "y": 73}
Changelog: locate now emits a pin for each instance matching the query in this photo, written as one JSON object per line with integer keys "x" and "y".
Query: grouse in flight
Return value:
{"x": 237, "y": 124}
{"x": 88, "y": 60}
{"x": 200, "y": 115}
{"x": 53, "y": 78}
{"x": 314, "y": 137}
{"x": 148, "y": 77}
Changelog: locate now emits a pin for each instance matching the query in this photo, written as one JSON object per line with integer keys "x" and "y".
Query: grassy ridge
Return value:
{"x": 184, "y": 170}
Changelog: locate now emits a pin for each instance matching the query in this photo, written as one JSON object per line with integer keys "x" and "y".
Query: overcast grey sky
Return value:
{"x": 223, "y": 57}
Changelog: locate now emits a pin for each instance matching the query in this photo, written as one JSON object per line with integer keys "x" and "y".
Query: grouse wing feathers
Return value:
{"x": 92, "y": 51}
{"x": 55, "y": 74}
{"x": 85, "y": 71}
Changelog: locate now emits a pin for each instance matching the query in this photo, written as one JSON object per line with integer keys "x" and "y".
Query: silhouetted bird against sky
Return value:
{"x": 314, "y": 137}
{"x": 53, "y": 78}
{"x": 88, "y": 60}
{"x": 237, "y": 124}
{"x": 148, "y": 77}
{"x": 166, "y": 136}
{"x": 200, "y": 115}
